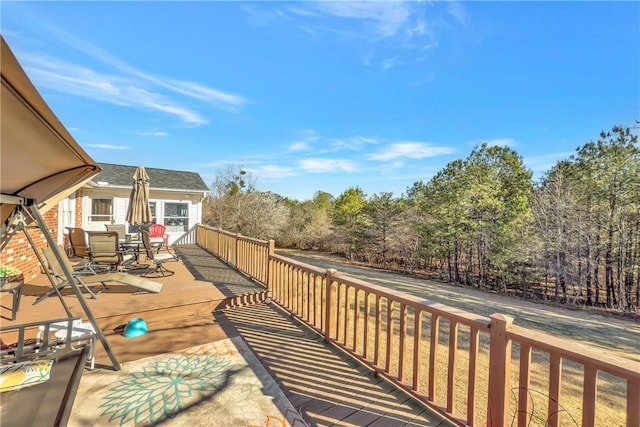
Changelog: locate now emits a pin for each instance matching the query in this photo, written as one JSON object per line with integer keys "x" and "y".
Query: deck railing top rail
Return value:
{"x": 577, "y": 352}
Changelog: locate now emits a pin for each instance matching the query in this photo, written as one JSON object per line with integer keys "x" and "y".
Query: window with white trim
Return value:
{"x": 101, "y": 210}
{"x": 176, "y": 217}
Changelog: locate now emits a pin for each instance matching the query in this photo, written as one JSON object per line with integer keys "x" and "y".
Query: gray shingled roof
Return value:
{"x": 159, "y": 179}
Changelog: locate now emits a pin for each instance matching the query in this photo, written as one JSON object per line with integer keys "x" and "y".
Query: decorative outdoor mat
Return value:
{"x": 216, "y": 384}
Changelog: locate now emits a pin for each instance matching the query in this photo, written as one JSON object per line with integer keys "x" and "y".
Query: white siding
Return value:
{"x": 121, "y": 202}
{"x": 120, "y": 209}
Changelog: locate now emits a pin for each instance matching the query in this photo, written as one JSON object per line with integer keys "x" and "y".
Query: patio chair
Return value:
{"x": 104, "y": 248}
{"x": 58, "y": 274}
{"x": 157, "y": 258}
{"x": 126, "y": 279}
{"x": 80, "y": 249}
{"x": 125, "y": 247}
{"x": 118, "y": 228}
{"x": 159, "y": 231}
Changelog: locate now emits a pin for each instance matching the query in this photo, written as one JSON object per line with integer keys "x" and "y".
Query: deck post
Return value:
{"x": 499, "y": 370}
{"x": 329, "y": 298}
{"x": 236, "y": 249}
{"x": 271, "y": 251}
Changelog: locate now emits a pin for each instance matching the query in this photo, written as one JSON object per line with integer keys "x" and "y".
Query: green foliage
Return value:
{"x": 8, "y": 271}
{"x": 350, "y": 220}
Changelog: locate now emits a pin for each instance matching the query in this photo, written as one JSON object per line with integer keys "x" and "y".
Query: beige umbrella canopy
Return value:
{"x": 39, "y": 159}
{"x": 139, "y": 211}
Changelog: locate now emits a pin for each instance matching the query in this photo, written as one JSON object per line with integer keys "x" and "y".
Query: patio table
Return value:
{"x": 132, "y": 244}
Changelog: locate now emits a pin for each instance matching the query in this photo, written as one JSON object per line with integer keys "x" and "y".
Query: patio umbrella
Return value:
{"x": 139, "y": 211}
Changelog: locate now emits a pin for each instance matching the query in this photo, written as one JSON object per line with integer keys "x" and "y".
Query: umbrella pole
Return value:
{"x": 69, "y": 275}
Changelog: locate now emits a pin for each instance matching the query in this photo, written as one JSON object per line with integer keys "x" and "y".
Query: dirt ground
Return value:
{"x": 616, "y": 335}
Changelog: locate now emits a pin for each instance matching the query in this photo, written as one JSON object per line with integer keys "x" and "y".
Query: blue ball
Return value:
{"x": 135, "y": 327}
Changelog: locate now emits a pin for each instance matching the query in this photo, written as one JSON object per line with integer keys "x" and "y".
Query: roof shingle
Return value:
{"x": 159, "y": 179}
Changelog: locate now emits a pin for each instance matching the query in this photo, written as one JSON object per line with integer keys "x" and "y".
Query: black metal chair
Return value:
{"x": 80, "y": 248}
{"x": 118, "y": 228}
{"x": 104, "y": 249}
{"x": 158, "y": 258}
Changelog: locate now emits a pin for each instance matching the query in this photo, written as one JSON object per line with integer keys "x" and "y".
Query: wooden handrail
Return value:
{"x": 373, "y": 323}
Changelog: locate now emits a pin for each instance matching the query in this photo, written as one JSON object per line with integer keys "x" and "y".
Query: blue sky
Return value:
{"x": 310, "y": 96}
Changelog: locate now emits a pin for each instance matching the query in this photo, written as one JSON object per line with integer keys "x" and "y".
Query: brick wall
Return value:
{"x": 78, "y": 209}
{"x": 19, "y": 253}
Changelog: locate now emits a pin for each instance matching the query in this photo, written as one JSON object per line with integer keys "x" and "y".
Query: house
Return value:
{"x": 175, "y": 197}
{"x": 175, "y": 200}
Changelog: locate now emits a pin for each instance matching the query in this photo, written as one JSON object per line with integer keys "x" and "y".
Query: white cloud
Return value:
{"x": 80, "y": 81}
{"x": 411, "y": 150}
{"x": 386, "y": 18}
{"x": 224, "y": 100}
{"x": 358, "y": 139}
{"x": 299, "y": 146}
{"x": 354, "y": 143}
{"x": 408, "y": 29}
{"x": 220, "y": 98}
{"x": 109, "y": 147}
{"x": 159, "y": 134}
{"x": 456, "y": 10}
{"x": 389, "y": 63}
{"x": 272, "y": 171}
{"x": 308, "y": 137}
{"x": 317, "y": 165}
{"x": 156, "y": 93}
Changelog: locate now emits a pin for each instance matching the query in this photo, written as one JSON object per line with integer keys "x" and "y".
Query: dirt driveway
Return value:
{"x": 612, "y": 334}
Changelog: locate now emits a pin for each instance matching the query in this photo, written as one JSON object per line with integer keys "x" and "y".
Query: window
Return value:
{"x": 101, "y": 210}
{"x": 176, "y": 217}
{"x": 154, "y": 217}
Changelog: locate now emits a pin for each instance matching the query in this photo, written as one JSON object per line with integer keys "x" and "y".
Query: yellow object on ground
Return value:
{"x": 24, "y": 374}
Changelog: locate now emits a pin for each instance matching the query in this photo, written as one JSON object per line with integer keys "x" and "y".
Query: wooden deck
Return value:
{"x": 206, "y": 301}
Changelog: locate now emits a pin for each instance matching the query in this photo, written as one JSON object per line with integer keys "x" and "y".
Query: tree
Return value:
{"x": 443, "y": 203}
{"x": 609, "y": 171}
{"x": 309, "y": 224}
{"x": 498, "y": 188}
{"x": 349, "y": 220}
{"x": 382, "y": 210}
{"x": 225, "y": 203}
{"x": 556, "y": 219}
{"x": 265, "y": 217}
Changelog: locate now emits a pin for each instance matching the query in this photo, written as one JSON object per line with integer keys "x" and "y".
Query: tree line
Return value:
{"x": 572, "y": 237}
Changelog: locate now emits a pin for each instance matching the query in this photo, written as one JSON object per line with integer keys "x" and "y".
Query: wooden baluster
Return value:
{"x": 451, "y": 369}
{"x": 401, "y": 337}
{"x": 417, "y": 347}
{"x": 433, "y": 353}
{"x": 376, "y": 354}
{"x": 387, "y": 362}
{"x": 555, "y": 383}
{"x": 523, "y": 384}
{"x": 473, "y": 370}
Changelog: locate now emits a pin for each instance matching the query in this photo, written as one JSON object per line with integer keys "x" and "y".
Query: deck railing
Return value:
{"x": 250, "y": 256}
{"x": 458, "y": 363}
